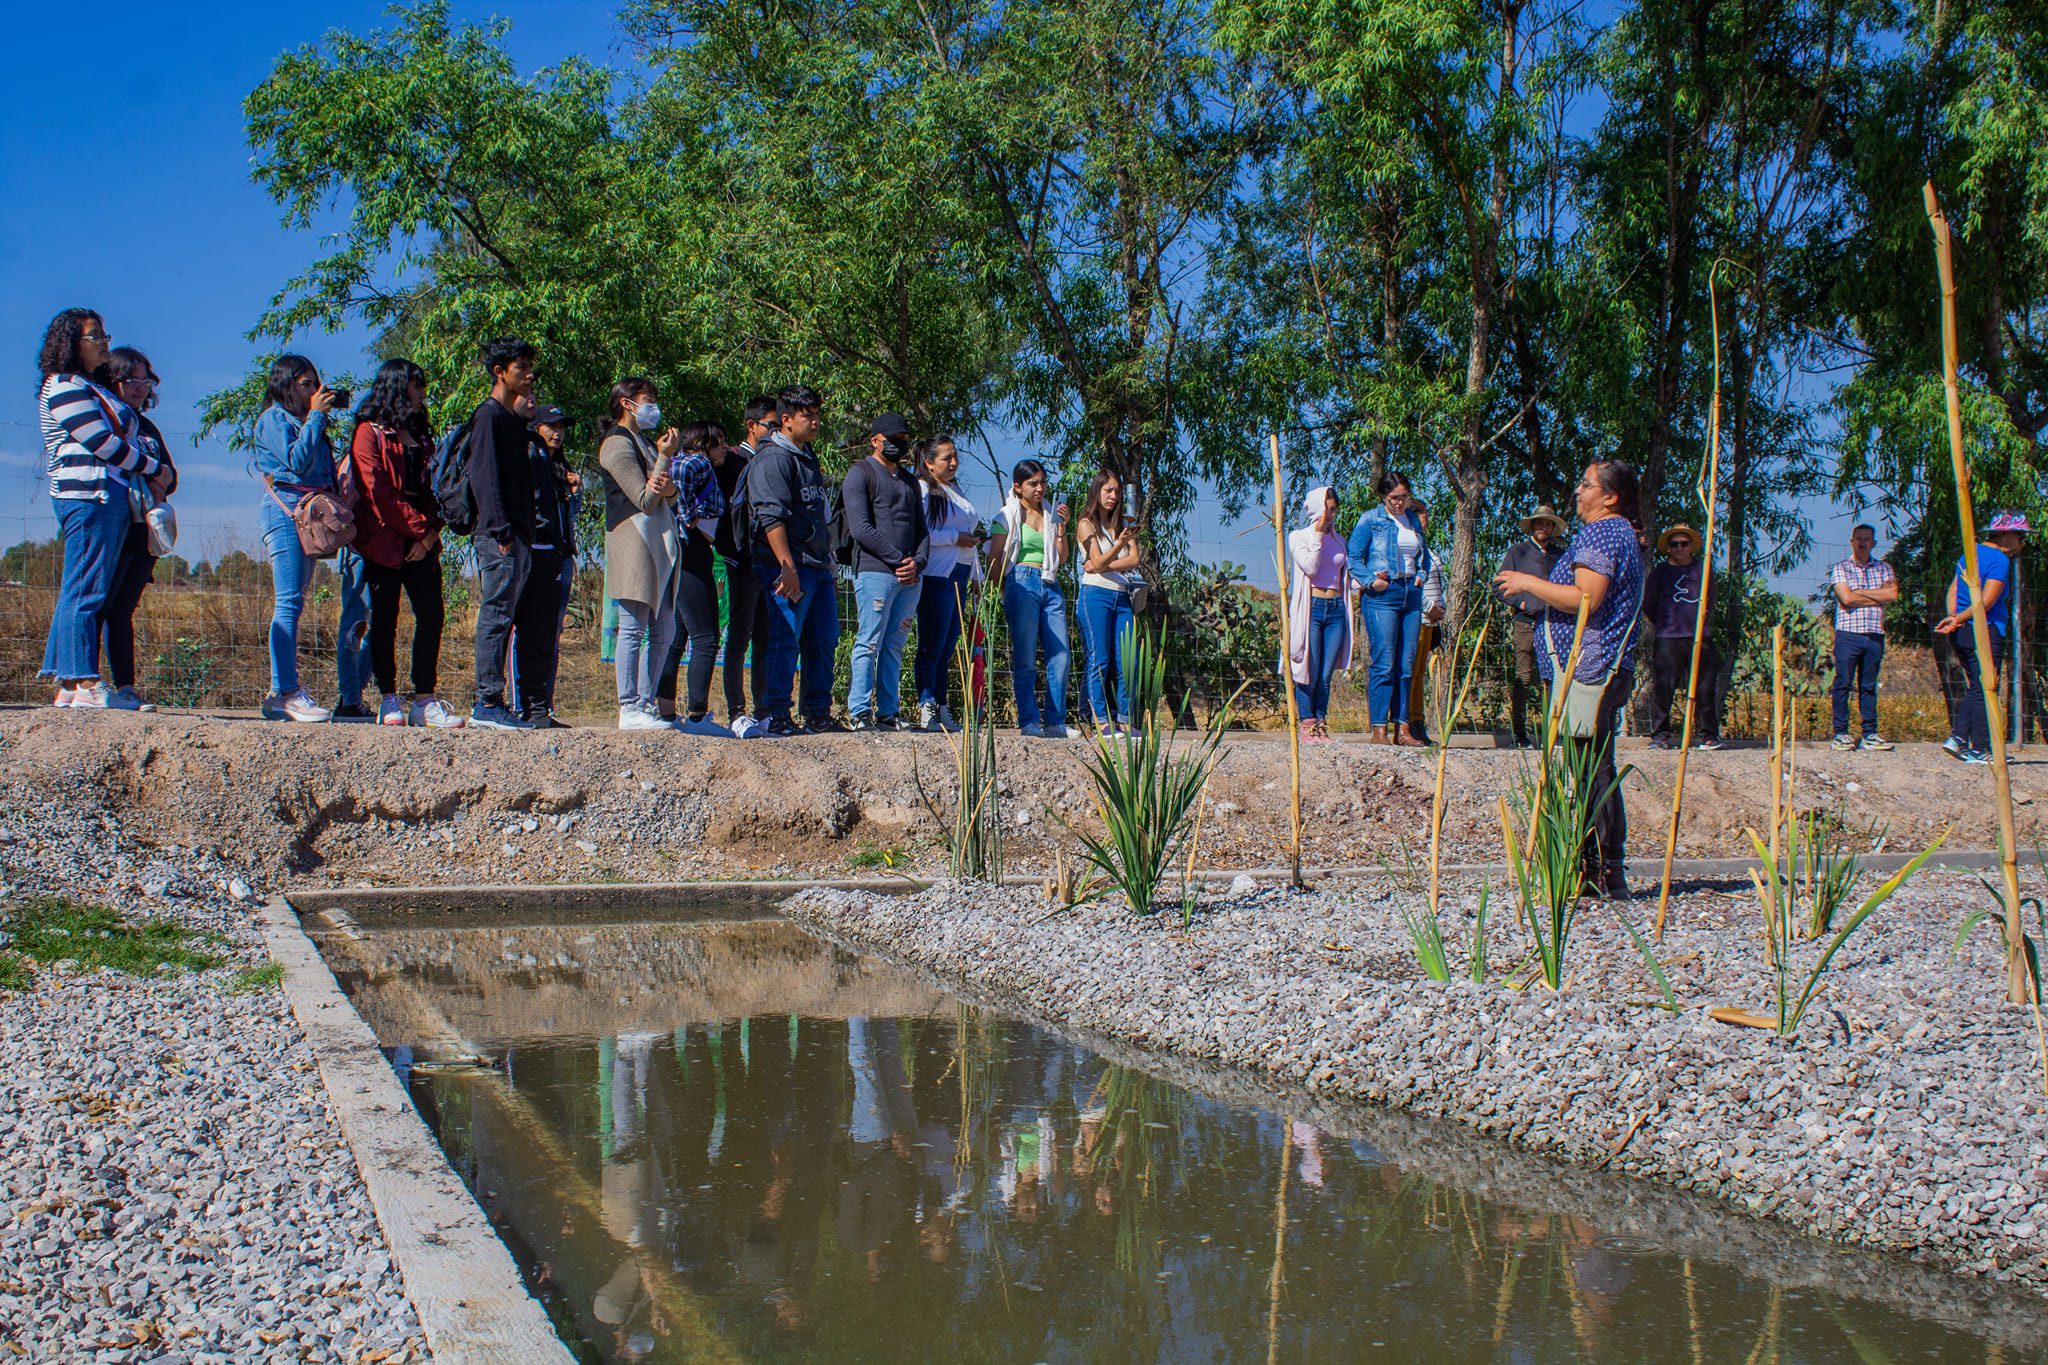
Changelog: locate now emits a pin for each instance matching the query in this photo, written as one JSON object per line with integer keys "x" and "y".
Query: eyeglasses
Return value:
{"x": 92, "y": 336}
{"x": 147, "y": 381}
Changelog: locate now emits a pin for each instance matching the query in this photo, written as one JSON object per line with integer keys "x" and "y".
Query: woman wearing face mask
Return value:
{"x": 1025, "y": 557}
{"x": 94, "y": 447}
{"x": 1391, "y": 561}
{"x": 700, "y": 506}
{"x": 294, "y": 459}
{"x": 398, "y": 534}
{"x": 1107, "y": 541}
{"x": 129, "y": 377}
{"x": 950, "y": 571}
{"x": 641, "y": 548}
{"x": 1320, "y": 600}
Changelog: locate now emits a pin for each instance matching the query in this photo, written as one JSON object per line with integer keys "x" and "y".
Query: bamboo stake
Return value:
{"x": 1710, "y": 499}
{"x": 1287, "y": 664}
{"x": 1772, "y": 908}
{"x": 2016, "y": 984}
{"x": 1279, "y": 1243}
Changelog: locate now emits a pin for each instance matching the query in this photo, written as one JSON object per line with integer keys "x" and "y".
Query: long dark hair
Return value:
{"x": 623, "y": 392}
{"x": 60, "y": 342}
{"x": 921, "y": 456}
{"x": 1091, "y": 506}
{"x": 701, "y": 436}
{"x": 389, "y": 401}
{"x": 1025, "y": 469}
{"x": 284, "y": 373}
{"x": 1389, "y": 481}
{"x": 1618, "y": 480}
{"x": 123, "y": 362}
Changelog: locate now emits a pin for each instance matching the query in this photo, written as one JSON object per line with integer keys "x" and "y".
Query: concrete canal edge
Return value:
{"x": 471, "y": 1301}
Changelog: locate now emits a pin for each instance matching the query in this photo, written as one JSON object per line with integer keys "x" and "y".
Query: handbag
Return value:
{"x": 163, "y": 529}
{"x": 324, "y": 525}
{"x": 1578, "y": 708}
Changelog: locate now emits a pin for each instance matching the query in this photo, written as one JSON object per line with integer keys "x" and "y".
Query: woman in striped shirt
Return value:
{"x": 94, "y": 447}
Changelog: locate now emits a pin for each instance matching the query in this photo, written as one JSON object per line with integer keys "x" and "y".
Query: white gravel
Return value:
{"x": 173, "y": 1185}
{"x": 1907, "y": 1116}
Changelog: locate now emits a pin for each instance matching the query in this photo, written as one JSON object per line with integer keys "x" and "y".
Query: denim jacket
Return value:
{"x": 1373, "y": 547}
{"x": 291, "y": 450}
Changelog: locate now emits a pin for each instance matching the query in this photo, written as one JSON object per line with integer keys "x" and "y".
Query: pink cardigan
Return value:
{"x": 1305, "y": 550}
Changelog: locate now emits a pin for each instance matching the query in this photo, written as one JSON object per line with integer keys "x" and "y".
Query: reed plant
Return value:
{"x": 2000, "y": 917}
{"x": 1546, "y": 864}
{"x": 1148, "y": 784}
{"x": 973, "y": 826}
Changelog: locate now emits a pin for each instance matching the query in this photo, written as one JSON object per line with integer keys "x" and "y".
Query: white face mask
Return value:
{"x": 647, "y": 416}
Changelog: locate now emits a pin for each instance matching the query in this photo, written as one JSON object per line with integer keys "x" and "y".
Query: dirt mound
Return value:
{"x": 399, "y": 806}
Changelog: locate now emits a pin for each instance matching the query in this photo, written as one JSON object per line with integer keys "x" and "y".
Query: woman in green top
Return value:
{"x": 1025, "y": 558}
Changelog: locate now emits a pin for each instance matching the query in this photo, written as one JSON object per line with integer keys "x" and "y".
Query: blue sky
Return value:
{"x": 126, "y": 189}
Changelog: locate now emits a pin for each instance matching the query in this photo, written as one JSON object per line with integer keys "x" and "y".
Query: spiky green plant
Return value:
{"x": 1147, "y": 785}
{"x": 1476, "y": 960}
{"x": 974, "y": 825}
{"x": 1548, "y": 866}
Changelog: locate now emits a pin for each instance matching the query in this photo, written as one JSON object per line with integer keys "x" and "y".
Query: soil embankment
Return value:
{"x": 364, "y": 804}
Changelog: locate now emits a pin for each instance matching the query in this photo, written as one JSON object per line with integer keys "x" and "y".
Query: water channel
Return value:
{"x": 711, "y": 1137}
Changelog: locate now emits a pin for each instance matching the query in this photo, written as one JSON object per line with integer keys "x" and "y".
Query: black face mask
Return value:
{"x": 894, "y": 450}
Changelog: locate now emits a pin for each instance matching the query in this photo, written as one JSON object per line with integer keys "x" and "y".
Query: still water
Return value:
{"x": 727, "y": 1141}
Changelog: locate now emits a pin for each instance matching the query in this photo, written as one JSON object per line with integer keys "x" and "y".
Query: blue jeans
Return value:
{"x": 291, "y": 569}
{"x": 1105, "y": 615}
{"x": 885, "y": 607}
{"x": 352, "y": 647}
{"x": 808, "y": 629}
{"x": 1038, "y": 621}
{"x": 1857, "y": 657}
{"x": 1328, "y": 625}
{"x": 1393, "y": 620}
{"x": 644, "y": 633}
{"x": 94, "y": 535}
{"x": 938, "y": 632}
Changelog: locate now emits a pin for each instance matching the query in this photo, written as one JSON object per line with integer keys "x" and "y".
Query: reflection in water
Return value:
{"x": 958, "y": 1186}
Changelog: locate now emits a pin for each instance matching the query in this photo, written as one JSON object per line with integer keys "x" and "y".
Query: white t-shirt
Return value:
{"x": 1407, "y": 547}
{"x": 947, "y": 555}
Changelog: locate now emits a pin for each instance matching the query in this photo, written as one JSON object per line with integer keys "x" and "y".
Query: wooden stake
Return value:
{"x": 1710, "y": 498}
{"x": 1287, "y": 662}
{"x": 2017, "y": 987}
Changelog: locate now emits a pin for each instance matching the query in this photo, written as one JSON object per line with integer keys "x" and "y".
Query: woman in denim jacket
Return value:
{"x": 1398, "y": 587}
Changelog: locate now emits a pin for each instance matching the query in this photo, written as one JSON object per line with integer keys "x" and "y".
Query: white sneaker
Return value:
{"x": 391, "y": 711}
{"x": 746, "y": 727}
{"x": 1031, "y": 731}
{"x": 97, "y": 697}
{"x": 705, "y": 727}
{"x": 946, "y": 721}
{"x": 296, "y": 707}
{"x": 633, "y": 717}
{"x": 435, "y": 714}
{"x": 927, "y": 715}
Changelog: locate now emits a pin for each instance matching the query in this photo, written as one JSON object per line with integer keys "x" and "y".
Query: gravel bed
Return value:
{"x": 173, "y": 1184}
{"x": 1907, "y": 1116}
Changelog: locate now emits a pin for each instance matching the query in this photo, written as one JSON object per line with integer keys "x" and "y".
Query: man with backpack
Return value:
{"x": 519, "y": 558}
{"x": 790, "y": 542}
{"x": 557, "y": 501}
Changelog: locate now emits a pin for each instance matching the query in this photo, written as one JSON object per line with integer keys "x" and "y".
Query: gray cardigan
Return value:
{"x": 642, "y": 549}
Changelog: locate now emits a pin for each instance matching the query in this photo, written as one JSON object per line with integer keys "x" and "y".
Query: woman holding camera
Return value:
{"x": 295, "y": 460}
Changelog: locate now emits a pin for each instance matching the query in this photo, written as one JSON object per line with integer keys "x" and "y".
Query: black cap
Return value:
{"x": 889, "y": 424}
{"x": 547, "y": 414}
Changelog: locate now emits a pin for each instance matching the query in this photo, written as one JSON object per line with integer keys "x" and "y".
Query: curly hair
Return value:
{"x": 389, "y": 401}
{"x": 60, "y": 342}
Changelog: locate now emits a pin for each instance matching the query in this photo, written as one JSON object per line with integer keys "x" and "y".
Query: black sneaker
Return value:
{"x": 543, "y": 718}
{"x": 888, "y": 723}
{"x": 823, "y": 725}
{"x": 352, "y": 710}
{"x": 777, "y": 727}
{"x": 859, "y": 723}
{"x": 495, "y": 715}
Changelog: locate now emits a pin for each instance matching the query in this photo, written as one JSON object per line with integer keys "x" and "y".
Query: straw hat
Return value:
{"x": 1664, "y": 541}
{"x": 1543, "y": 513}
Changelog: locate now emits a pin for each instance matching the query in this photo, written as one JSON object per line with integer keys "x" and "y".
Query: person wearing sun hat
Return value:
{"x": 1543, "y": 533}
{"x": 1671, "y": 601}
{"x": 2004, "y": 539}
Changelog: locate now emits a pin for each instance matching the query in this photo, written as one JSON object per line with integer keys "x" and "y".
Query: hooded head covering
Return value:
{"x": 1312, "y": 503}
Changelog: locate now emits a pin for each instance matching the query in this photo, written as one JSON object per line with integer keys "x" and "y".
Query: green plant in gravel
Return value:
{"x": 1147, "y": 786}
{"x": 973, "y": 828}
{"x": 50, "y": 929}
{"x": 251, "y": 980}
{"x": 1823, "y": 864}
{"x": 15, "y": 973}
{"x": 1476, "y": 960}
{"x": 1998, "y": 916}
{"x": 1547, "y": 867}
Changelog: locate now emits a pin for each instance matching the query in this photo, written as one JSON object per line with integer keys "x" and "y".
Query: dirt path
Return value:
{"x": 358, "y": 803}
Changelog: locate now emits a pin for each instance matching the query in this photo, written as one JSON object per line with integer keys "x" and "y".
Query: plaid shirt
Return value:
{"x": 698, "y": 496}
{"x": 1861, "y": 578}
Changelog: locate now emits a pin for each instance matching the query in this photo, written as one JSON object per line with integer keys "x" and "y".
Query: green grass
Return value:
{"x": 250, "y": 980}
{"x": 887, "y": 858}
{"x": 50, "y": 929}
{"x": 15, "y": 973}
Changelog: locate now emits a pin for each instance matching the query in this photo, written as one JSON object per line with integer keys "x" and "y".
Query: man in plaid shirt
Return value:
{"x": 1864, "y": 587}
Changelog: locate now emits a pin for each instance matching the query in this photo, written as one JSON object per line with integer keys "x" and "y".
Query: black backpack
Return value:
{"x": 450, "y": 479}
{"x": 842, "y": 532}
